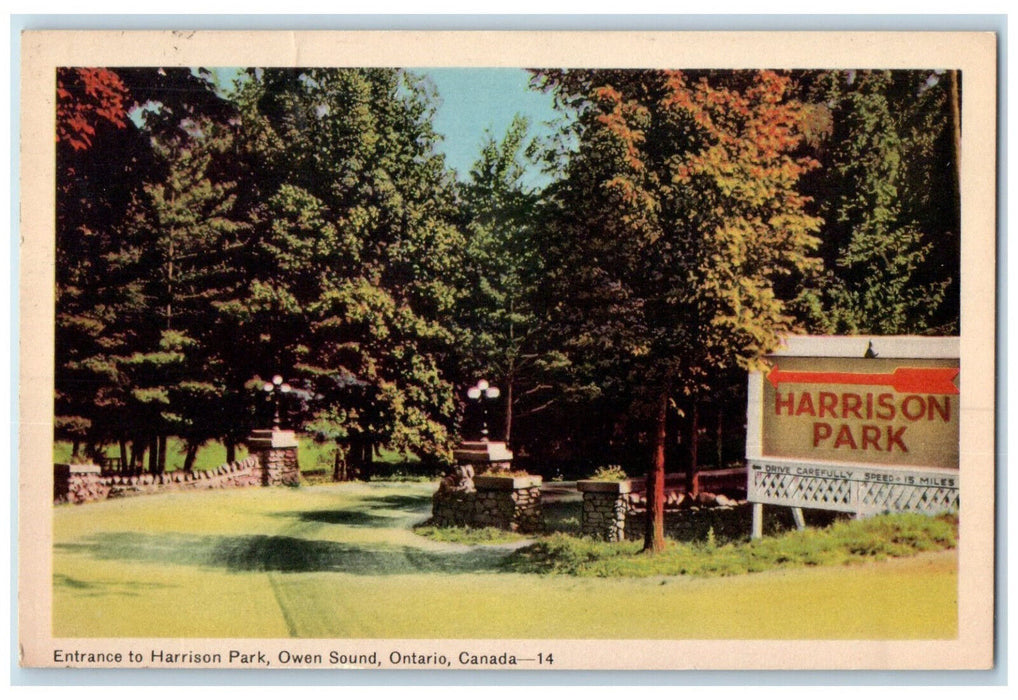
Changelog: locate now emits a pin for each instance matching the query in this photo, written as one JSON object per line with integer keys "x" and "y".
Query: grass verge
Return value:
{"x": 468, "y": 535}
{"x": 844, "y": 542}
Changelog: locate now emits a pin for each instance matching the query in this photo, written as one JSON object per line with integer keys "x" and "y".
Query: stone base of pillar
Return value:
{"x": 78, "y": 483}
{"x": 276, "y": 451}
{"x": 509, "y": 503}
{"x": 605, "y": 505}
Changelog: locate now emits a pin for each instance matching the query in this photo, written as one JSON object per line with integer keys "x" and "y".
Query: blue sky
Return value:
{"x": 474, "y": 100}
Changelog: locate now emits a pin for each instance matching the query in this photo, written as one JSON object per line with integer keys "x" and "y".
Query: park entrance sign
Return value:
{"x": 855, "y": 424}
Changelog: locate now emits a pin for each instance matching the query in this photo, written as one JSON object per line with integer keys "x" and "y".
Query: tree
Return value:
{"x": 88, "y": 99}
{"x": 305, "y": 226}
{"x": 191, "y": 237}
{"x": 100, "y": 160}
{"x": 504, "y": 263}
{"x": 117, "y": 351}
{"x": 355, "y": 258}
{"x": 887, "y": 192}
{"x": 681, "y": 236}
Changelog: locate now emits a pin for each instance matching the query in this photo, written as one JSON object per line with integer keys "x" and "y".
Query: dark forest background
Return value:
{"x": 304, "y": 223}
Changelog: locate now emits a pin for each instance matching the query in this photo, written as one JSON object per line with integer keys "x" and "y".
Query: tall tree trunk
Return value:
{"x": 190, "y": 455}
{"x": 654, "y": 538}
{"x": 692, "y": 483}
{"x": 721, "y": 435}
{"x": 359, "y": 456}
{"x": 509, "y": 409}
{"x": 153, "y": 455}
{"x": 231, "y": 451}
{"x": 368, "y": 461}
{"x": 75, "y": 450}
{"x": 162, "y": 454}
{"x": 137, "y": 454}
{"x": 169, "y": 286}
{"x": 954, "y": 95}
{"x": 124, "y": 465}
{"x": 339, "y": 470}
{"x": 509, "y": 375}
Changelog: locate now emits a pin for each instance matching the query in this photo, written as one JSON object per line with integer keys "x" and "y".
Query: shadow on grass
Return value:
{"x": 101, "y": 588}
{"x": 360, "y": 514}
{"x": 351, "y": 518}
{"x": 282, "y": 554}
{"x": 415, "y": 502}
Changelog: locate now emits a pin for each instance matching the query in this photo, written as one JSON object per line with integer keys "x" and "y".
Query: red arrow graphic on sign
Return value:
{"x": 904, "y": 380}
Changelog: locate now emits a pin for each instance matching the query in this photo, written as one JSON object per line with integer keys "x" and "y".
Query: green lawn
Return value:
{"x": 342, "y": 561}
{"x": 314, "y": 457}
{"x": 210, "y": 455}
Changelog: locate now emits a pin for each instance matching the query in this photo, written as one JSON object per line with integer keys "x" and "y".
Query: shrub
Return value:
{"x": 612, "y": 472}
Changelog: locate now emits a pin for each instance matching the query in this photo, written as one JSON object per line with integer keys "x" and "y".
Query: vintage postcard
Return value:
{"x": 507, "y": 350}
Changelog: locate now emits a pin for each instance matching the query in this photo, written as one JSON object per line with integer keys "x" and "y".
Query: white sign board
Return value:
{"x": 856, "y": 424}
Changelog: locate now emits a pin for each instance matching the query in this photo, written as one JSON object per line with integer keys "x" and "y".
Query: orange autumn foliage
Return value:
{"x": 85, "y": 98}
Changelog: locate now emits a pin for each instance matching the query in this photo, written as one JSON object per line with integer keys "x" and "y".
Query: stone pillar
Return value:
{"x": 509, "y": 503}
{"x": 486, "y": 457}
{"x": 453, "y": 503}
{"x": 605, "y": 504}
{"x": 452, "y": 508}
{"x": 78, "y": 483}
{"x": 276, "y": 451}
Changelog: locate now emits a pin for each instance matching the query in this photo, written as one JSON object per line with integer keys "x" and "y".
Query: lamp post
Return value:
{"x": 274, "y": 390}
{"x": 482, "y": 392}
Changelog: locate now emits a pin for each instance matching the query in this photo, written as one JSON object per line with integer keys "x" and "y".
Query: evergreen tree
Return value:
{"x": 353, "y": 278}
{"x": 190, "y": 238}
{"x": 886, "y": 195}
{"x": 101, "y": 164}
{"x": 118, "y": 355}
{"x": 505, "y": 263}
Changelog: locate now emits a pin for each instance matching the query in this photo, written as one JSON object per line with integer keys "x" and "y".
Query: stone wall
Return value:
{"x": 509, "y": 502}
{"x": 605, "y": 507}
{"x": 82, "y": 483}
{"x": 616, "y": 510}
{"x": 273, "y": 462}
{"x": 505, "y": 502}
{"x": 276, "y": 451}
{"x": 453, "y": 508}
{"x": 454, "y": 503}
{"x": 246, "y": 472}
{"x": 78, "y": 483}
{"x": 693, "y": 519}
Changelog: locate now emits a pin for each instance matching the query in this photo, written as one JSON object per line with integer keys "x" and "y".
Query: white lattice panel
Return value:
{"x": 852, "y": 489}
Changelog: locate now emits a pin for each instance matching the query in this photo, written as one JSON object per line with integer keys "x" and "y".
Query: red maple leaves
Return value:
{"x": 85, "y": 98}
